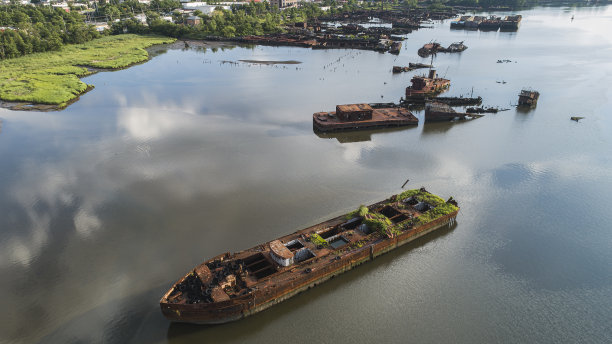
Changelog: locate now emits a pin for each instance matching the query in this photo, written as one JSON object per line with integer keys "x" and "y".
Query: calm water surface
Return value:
{"x": 105, "y": 204}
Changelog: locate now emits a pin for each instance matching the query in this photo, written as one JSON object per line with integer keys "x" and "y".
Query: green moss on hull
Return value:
{"x": 53, "y": 77}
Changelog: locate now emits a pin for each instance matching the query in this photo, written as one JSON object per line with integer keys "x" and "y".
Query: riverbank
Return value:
{"x": 51, "y": 80}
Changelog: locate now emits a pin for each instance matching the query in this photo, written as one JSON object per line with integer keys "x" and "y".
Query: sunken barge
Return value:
{"x": 232, "y": 286}
{"x": 362, "y": 116}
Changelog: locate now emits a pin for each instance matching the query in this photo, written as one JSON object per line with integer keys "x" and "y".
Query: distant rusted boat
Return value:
{"x": 429, "y": 49}
{"x": 511, "y": 23}
{"x": 233, "y": 286}
{"x": 490, "y": 24}
{"x": 423, "y": 86}
{"x": 362, "y": 116}
{"x": 440, "y": 112}
{"x": 528, "y": 98}
{"x": 411, "y": 66}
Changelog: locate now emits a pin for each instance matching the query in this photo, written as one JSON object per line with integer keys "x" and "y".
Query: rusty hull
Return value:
{"x": 381, "y": 118}
{"x": 259, "y": 294}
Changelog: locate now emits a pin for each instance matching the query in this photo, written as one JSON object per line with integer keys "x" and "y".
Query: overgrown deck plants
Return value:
{"x": 53, "y": 78}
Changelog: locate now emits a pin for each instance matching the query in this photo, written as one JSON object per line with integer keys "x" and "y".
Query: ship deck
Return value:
{"x": 249, "y": 281}
{"x": 385, "y": 117}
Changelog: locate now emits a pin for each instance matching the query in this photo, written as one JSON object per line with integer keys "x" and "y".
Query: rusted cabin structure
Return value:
{"x": 354, "y": 112}
{"x": 426, "y": 85}
{"x": 528, "y": 98}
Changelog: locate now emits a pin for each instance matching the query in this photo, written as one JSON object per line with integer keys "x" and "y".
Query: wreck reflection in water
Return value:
{"x": 358, "y": 135}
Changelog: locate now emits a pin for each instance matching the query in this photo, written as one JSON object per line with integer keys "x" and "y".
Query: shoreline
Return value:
{"x": 67, "y": 67}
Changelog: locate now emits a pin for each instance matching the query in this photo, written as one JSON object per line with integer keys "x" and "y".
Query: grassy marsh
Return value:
{"x": 54, "y": 77}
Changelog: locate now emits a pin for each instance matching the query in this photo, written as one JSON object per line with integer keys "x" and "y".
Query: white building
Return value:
{"x": 203, "y": 7}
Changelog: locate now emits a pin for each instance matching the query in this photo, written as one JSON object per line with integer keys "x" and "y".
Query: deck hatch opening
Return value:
{"x": 389, "y": 211}
{"x": 302, "y": 255}
{"x": 422, "y": 207}
{"x": 294, "y": 245}
{"x": 399, "y": 218}
{"x": 259, "y": 266}
{"x": 264, "y": 272}
{"x": 338, "y": 242}
{"x": 352, "y": 223}
{"x": 329, "y": 233}
{"x": 411, "y": 200}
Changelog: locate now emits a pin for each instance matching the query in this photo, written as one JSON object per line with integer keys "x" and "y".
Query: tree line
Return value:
{"x": 251, "y": 19}
{"x": 29, "y": 29}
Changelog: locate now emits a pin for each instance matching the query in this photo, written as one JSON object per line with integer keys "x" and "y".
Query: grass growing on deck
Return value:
{"x": 421, "y": 196}
{"x": 361, "y": 211}
{"x": 53, "y": 77}
{"x": 318, "y": 240}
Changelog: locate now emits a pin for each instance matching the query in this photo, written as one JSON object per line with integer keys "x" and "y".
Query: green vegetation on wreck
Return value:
{"x": 381, "y": 224}
{"x": 441, "y": 208}
{"x": 361, "y": 211}
{"x": 318, "y": 240}
{"x": 421, "y": 196}
{"x": 53, "y": 77}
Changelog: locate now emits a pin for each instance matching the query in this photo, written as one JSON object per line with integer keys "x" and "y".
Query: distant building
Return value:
{"x": 61, "y": 5}
{"x": 203, "y": 7}
{"x": 141, "y": 17}
{"x": 193, "y": 21}
{"x": 284, "y": 3}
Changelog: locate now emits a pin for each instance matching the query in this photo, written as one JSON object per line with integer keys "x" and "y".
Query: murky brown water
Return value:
{"x": 173, "y": 161}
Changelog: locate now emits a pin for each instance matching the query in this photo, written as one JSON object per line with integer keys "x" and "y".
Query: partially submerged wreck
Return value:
{"x": 362, "y": 116}
{"x": 434, "y": 48}
{"x": 440, "y": 112}
{"x": 230, "y": 286}
{"x": 493, "y": 23}
{"x": 511, "y": 23}
{"x": 424, "y": 86}
{"x": 411, "y": 66}
{"x": 528, "y": 98}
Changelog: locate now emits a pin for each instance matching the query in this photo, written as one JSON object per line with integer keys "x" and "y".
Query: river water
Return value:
{"x": 165, "y": 164}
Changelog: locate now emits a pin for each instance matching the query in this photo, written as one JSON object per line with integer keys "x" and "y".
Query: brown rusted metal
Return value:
{"x": 361, "y": 116}
{"x": 238, "y": 287}
{"x": 423, "y": 86}
{"x": 528, "y": 98}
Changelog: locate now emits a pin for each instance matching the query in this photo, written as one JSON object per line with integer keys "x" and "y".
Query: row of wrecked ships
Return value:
{"x": 492, "y": 23}
{"x": 232, "y": 286}
{"x": 366, "y": 116}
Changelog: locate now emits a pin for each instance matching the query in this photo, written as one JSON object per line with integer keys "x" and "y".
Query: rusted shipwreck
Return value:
{"x": 434, "y": 48}
{"x": 411, "y": 66}
{"x": 361, "y": 116}
{"x": 493, "y": 23}
{"x": 440, "y": 112}
{"x": 528, "y": 98}
{"x": 424, "y": 86}
{"x": 230, "y": 286}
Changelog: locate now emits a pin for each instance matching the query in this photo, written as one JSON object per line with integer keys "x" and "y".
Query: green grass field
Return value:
{"x": 53, "y": 77}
